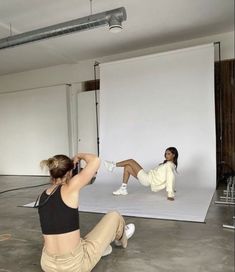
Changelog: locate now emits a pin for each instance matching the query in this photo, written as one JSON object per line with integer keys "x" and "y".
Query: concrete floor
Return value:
{"x": 158, "y": 245}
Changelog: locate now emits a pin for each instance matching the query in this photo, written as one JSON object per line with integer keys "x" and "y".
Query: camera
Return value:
{"x": 76, "y": 169}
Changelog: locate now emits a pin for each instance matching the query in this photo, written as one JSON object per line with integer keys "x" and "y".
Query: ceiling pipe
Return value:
{"x": 81, "y": 24}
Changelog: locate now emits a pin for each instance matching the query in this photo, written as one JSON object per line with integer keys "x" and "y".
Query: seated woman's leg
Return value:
{"x": 134, "y": 165}
{"x": 128, "y": 171}
{"x": 111, "y": 227}
{"x": 131, "y": 168}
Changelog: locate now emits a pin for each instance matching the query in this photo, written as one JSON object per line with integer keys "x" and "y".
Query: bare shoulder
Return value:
{"x": 70, "y": 197}
{"x": 75, "y": 183}
{"x": 67, "y": 191}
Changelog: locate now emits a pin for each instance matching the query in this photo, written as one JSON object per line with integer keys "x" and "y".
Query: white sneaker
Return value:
{"x": 110, "y": 165}
{"x": 129, "y": 230}
{"x": 121, "y": 191}
{"x": 107, "y": 251}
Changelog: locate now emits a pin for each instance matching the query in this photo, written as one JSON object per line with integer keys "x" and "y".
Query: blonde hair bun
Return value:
{"x": 51, "y": 163}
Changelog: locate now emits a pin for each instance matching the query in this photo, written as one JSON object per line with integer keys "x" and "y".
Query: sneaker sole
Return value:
{"x": 108, "y": 251}
{"x": 120, "y": 194}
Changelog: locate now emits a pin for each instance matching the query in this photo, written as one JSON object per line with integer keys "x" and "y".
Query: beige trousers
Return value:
{"x": 89, "y": 251}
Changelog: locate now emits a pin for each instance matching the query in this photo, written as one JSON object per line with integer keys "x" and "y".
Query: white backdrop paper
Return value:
{"x": 150, "y": 103}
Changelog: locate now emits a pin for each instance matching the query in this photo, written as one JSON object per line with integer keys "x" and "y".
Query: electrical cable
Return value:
{"x": 21, "y": 188}
{"x": 37, "y": 202}
{"x": 76, "y": 170}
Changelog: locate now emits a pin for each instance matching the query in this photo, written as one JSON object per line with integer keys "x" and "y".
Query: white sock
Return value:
{"x": 124, "y": 185}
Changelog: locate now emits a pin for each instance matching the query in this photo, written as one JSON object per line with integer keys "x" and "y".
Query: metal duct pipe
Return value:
{"x": 85, "y": 23}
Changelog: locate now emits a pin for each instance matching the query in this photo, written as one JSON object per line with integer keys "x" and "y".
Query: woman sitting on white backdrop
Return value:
{"x": 163, "y": 176}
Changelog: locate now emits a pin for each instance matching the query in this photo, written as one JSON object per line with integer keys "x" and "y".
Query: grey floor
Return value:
{"x": 158, "y": 245}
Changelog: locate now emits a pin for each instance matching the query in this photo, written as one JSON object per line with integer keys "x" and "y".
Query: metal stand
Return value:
{"x": 230, "y": 226}
{"x": 229, "y": 193}
{"x": 229, "y": 198}
{"x": 219, "y": 116}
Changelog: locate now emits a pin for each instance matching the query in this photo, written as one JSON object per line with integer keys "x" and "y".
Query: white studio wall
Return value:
{"x": 87, "y": 124}
{"x": 148, "y": 104}
{"x": 34, "y": 125}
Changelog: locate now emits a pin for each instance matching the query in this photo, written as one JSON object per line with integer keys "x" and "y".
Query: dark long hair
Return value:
{"x": 174, "y": 151}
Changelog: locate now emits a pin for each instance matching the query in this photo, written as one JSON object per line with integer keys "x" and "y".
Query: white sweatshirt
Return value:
{"x": 163, "y": 176}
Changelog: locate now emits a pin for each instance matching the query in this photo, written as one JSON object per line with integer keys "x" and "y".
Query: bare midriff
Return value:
{"x": 60, "y": 244}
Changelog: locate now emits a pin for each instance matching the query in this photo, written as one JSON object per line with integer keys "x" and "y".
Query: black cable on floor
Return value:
{"x": 76, "y": 170}
{"x": 21, "y": 188}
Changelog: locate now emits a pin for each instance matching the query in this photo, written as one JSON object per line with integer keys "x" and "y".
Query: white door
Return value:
{"x": 87, "y": 124}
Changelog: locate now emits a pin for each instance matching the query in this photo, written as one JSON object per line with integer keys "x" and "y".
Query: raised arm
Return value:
{"x": 83, "y": 178}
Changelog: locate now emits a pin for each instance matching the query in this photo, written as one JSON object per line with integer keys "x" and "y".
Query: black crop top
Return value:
{"x": 55, "y": 216}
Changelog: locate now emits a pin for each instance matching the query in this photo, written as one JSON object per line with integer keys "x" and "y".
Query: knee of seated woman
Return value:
{"x": 114, "y": 213}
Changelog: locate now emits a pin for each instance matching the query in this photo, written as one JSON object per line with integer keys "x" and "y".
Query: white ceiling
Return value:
{"x": 149, "y": 23}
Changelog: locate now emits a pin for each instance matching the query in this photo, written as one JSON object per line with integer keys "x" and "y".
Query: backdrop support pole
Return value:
{"x": 220, "y": 117}
{"x": 96, "y": 108}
